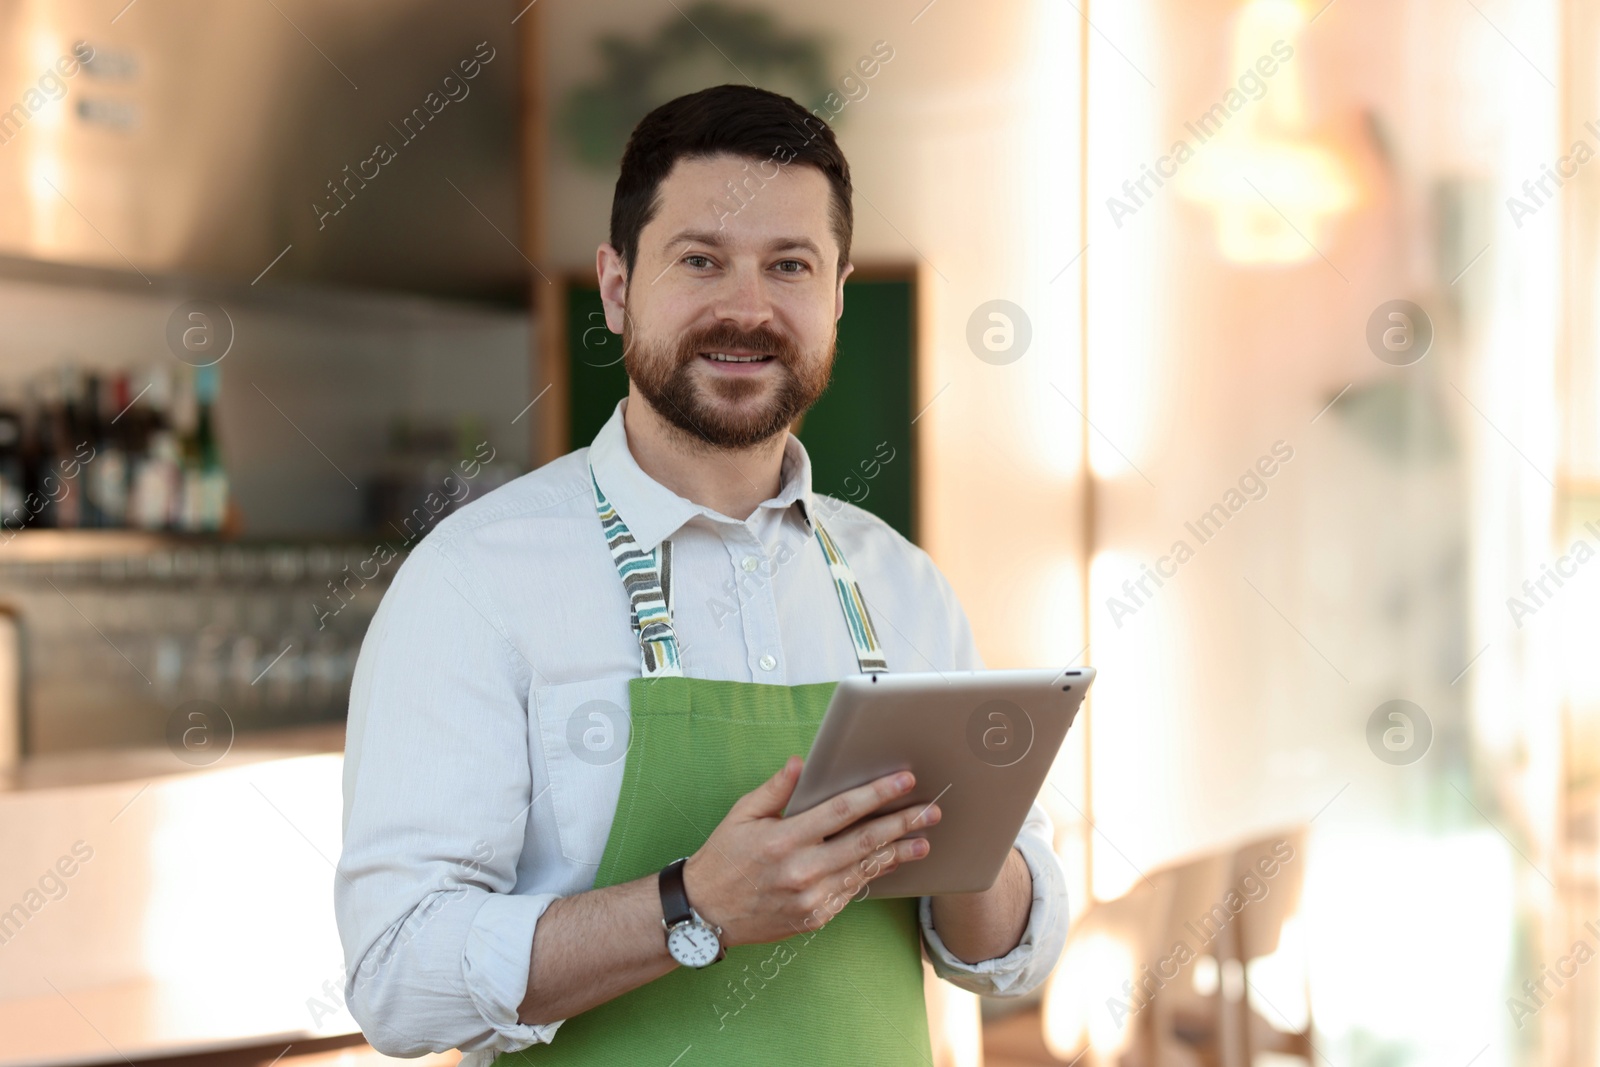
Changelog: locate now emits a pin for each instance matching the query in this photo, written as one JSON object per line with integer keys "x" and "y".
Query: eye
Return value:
{"x": 791, "y": 266}
{"x": 697, "y": 260}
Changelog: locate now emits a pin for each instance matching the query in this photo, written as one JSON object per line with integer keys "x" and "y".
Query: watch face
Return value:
{"x": 693, "y": 944}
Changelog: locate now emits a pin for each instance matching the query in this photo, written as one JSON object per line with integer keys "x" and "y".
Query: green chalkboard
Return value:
{"x": 595, "y": 378}
{"x": 859, "y": 433}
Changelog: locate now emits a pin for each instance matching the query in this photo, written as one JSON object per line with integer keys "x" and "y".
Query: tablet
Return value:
{"x": 979, "y": 742}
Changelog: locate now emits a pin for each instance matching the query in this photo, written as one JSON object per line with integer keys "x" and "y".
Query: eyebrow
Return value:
{"x": 714, "y": 240}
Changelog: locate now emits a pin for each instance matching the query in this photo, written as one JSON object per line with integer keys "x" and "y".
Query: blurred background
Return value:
{"x": 1277, "y": 319}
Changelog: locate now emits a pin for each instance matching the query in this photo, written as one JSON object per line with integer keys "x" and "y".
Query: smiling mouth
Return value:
{"x": 724, "y": 357}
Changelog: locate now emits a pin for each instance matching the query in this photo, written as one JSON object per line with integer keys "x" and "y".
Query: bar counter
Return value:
{"x": 158, "y": 910}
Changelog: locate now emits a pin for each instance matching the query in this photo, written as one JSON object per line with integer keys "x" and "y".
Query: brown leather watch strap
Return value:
{"x": 674, "y": 901}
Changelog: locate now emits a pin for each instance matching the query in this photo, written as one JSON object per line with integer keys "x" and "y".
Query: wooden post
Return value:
{"x": 547, "y": 419}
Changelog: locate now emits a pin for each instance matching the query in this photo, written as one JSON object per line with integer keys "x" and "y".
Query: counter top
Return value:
{"x": 103, "y": 766}
{"x": 144, "y": 1019}
{"x": 149, "y": 909}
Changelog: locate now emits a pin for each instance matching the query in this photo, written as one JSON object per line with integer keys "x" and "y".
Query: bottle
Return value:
{"x": 154, "y": 504}
{"x": 134, "y": 423}
{"x": 62, "y": 470}
{"x": 107, "y": 476}
{"x": 36, "y": 455}
{"x": 89, "y": 430}
{"x": 213, "y": 480}
{"x": 12, "y": 469}
{"x": 185, "y": 419}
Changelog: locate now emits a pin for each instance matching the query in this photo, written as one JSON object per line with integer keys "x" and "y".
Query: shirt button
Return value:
{"x": 768, "y": 662}
{"x": 751, "y": 563}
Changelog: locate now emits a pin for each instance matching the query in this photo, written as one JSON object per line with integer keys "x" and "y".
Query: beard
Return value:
{"x": 723, "y": 410}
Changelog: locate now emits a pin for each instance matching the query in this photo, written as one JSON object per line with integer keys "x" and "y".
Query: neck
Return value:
{"x": 732, "y": 482}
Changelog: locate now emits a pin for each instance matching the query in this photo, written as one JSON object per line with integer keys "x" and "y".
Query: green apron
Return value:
{"x": 847, "y": 993}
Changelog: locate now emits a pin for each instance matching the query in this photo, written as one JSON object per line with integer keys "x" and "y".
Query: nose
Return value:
{"x": 743, "y": 300}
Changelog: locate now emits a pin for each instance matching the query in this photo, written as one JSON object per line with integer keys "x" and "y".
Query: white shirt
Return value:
{"x": 476, "y": 792}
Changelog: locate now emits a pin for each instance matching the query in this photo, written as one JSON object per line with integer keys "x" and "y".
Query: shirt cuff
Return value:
{"x": 495, "y": 964}
{"x": 1026, "y": 966}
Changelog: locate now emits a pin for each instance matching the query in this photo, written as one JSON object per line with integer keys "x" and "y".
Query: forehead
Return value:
{"x": 764, "y": 201}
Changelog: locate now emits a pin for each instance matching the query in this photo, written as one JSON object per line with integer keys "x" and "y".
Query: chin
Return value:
{"x": 740, "y": 425}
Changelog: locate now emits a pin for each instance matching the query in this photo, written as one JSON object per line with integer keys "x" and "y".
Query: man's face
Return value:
{"x": 728, "y": 317}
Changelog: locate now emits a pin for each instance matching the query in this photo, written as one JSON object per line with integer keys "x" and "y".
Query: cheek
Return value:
{"x": 659, "y": 317}
{"x": 810, "y": 326}
{"x": 809, "y": 314}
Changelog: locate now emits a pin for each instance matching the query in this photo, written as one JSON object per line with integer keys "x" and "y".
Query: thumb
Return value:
{"x": 767, "y": 799}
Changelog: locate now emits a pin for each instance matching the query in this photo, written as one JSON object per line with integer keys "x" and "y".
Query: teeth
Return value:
{"x": 721, "y": 357}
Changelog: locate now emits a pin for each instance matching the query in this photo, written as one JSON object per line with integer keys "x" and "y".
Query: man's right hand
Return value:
{"x": 762, "y": 877}
{"x": 759, "y": 876}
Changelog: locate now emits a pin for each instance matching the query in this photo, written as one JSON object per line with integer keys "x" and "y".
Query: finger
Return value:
{"x": 838, "y": 889}
{"x": 768, "y": 799}
{"x": 886, "y": 859}
{"x": 853, "y": 882}
{"x": 861, "y": 842}
{"x": 891, "y": 856}
{"x": 833, "y": 815}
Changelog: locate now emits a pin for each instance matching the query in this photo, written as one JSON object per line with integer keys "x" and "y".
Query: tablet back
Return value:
{"x": 979, "y": 742}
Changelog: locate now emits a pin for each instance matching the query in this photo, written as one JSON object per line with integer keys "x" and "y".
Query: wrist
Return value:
{"x": 691, "y": 939}
{"x": 650, "y": 914}
{"x": 989, "y": 923}
{"x": 692, "y": 873}
{"x": 698, "y": 892}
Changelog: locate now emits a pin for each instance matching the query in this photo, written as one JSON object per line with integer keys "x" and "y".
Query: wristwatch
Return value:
{"x": 691, "y": 940}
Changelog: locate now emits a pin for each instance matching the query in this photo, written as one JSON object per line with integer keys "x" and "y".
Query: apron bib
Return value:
{"x": 848, "y": 993}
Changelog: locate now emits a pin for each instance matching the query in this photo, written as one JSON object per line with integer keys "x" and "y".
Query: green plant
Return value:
{"x": 597, "y": 117}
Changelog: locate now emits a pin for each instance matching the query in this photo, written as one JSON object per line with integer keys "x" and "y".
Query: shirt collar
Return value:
{"x": 653, "y": 512}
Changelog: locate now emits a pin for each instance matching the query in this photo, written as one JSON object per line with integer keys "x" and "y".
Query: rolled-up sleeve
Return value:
{"x": 1026, "y": 966}
{"x": 436, "y": 799}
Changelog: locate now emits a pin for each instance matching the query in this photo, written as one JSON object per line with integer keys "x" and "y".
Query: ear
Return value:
{"x": 613, "y": 277}
{"x": 838, "y": 299}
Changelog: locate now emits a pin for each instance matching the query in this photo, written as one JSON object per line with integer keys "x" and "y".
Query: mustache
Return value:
{"x": 762, "y": 340}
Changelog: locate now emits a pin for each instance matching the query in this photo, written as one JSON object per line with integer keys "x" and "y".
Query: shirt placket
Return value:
{"x": 753, "y": 578}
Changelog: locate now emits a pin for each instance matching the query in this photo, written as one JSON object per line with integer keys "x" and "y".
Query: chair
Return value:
{"x": 1208, "y": 917}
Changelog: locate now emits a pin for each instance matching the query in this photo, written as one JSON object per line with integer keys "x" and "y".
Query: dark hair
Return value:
{"x": 737, "y": 119}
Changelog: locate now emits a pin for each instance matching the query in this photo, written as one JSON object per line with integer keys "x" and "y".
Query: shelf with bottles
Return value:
{"x": 121, "y": 450}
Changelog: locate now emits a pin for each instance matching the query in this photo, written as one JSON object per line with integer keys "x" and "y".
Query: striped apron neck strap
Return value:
{"x": 647, "y": 578}
{"x": 642, "y": 580}
{"x": 869, "y": 654}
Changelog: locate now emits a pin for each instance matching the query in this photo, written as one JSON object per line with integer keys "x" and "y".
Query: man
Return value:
{"x": 578, "y": 713}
